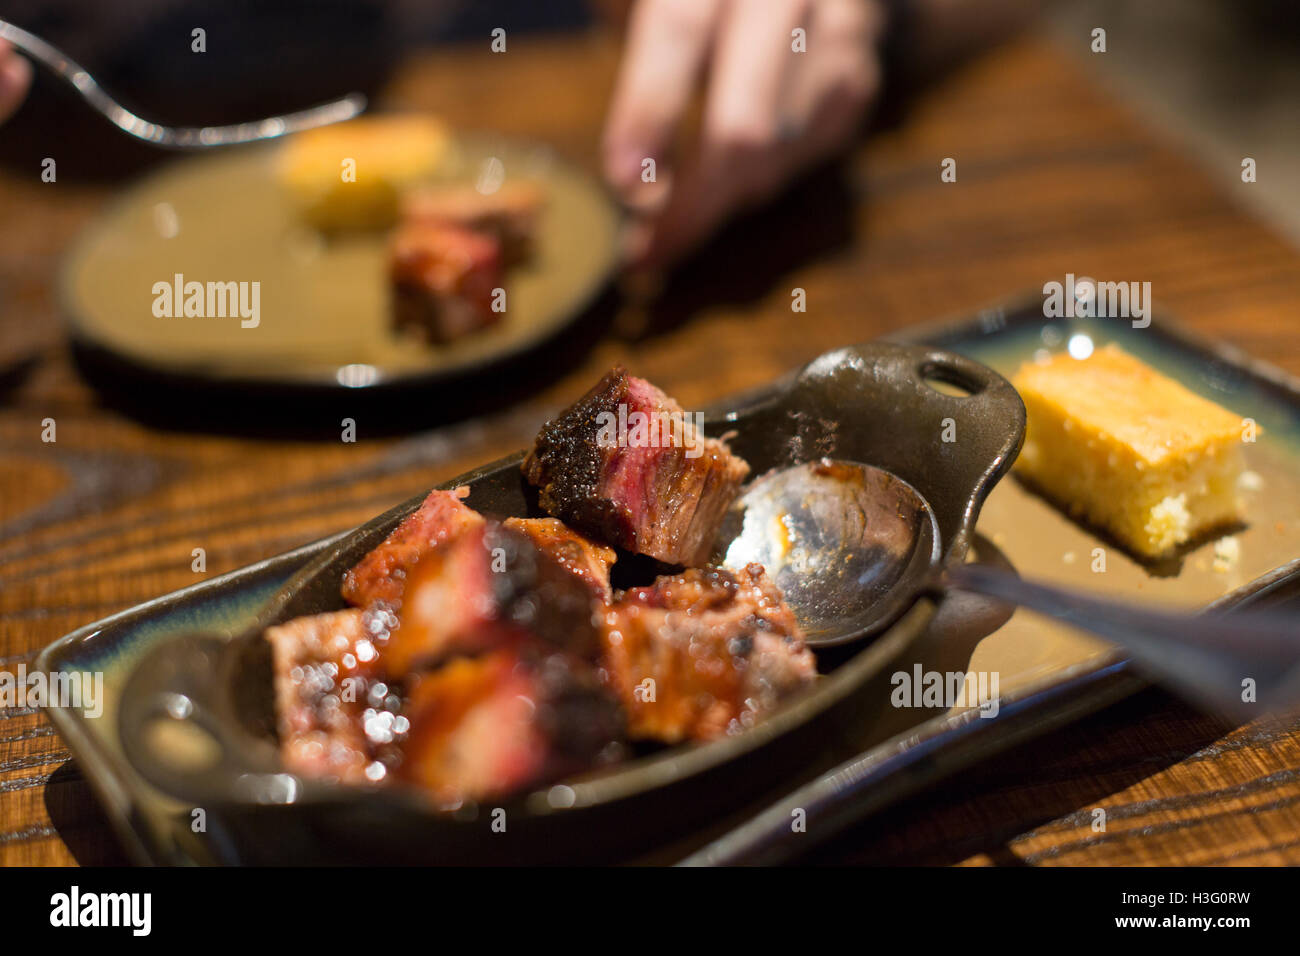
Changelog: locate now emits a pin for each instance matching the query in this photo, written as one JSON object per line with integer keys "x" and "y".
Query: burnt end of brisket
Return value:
{"x": 443, "y": 280}
{"x": 489, "y": 587}
{"x": 578, "y": 554}
{"x": 661, "y": 491}
{"x": 330, "y": 709}
{"x": 381, "y": 574}
{"x": 510, "y": 214}
{"x": 566, "y": 464}
{"x": 702, "y": 654}
{"x": 490, "y": 725}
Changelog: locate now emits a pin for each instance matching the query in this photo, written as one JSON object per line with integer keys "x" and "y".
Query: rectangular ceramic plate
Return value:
{"x": 1048, "y": 674}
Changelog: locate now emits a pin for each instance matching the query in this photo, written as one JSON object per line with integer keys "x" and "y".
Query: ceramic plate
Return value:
{"x": 323, "y": 317}
{"x": 1049, "y": 672}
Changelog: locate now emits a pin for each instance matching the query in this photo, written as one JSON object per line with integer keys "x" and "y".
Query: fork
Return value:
{"x": 177, "y": 137}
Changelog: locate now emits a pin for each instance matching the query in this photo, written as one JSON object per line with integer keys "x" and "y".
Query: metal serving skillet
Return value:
{"x": 197, "y": 716}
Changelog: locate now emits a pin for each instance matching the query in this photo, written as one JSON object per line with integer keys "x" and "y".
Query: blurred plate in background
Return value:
{"x": 324, "y": 306}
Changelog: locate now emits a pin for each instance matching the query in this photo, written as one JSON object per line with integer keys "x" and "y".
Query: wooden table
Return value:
{"x": 1053, "y": 177}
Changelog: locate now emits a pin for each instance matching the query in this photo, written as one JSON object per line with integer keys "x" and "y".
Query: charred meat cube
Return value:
{"x": 578, "y": 554}
{"x": 702, "y": 654}
{"x": 487, "y": 726}
{"x": 325, "y": 701}
{"x": 442, "y": 281}
{"x": 488, "y": 588}
{"x": 381, "y": 574}
{"x": 627, "y": 465}
{"x": 509, "y": 214}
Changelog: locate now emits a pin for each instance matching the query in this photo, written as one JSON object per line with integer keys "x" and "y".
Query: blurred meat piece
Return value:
{"x": 321, "y": 694}
{"x": 381, "y": 574}
{"x": 443, "y": 279}
{"x": 486, "y": 726}
{"x": 509, "y": 215}
{"x": 704, "y": 653}
{"x": 578, "y": 554}
{"x": 487, "y": 588}
{"x": 627, "y": 465}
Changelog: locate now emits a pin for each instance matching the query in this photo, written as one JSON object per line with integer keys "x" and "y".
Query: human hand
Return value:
{"x": 15, "y": 78}
{"x": 768, "y": 112}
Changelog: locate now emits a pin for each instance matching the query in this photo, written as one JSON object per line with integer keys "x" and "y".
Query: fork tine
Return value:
{"x": 176, "y": 137}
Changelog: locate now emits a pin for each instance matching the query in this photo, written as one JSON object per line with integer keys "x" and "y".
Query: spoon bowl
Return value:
{"x": 844, "y": 542}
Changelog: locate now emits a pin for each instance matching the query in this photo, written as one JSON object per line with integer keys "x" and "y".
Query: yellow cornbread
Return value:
{"x": 1128, "y": 449}
{"x": 350, "y": 176}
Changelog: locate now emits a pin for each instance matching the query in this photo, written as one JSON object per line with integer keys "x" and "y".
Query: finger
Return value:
{"x": 753, "y": 57}
{"x": 705, "y": 191}
{"x": 821, "y": 102}
{"x": 666, "y": 46}
{"x": 15, "y": 79}
{"x": 838, "y": 78}
{"x": 741, "y": 130}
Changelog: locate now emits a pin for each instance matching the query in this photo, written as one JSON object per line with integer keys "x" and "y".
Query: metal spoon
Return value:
{"x": 177, "y": 137}
{"x": 853, "y": 546}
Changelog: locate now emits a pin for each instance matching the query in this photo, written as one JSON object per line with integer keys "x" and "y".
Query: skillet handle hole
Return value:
{"x": 947, "y": 380}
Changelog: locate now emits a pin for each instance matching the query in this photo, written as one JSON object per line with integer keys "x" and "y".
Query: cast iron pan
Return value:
{"x": 872, "y": 403}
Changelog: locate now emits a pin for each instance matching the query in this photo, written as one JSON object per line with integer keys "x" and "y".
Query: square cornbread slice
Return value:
{"x": 1129, "y": 450}
{"x": 352, "y": 175}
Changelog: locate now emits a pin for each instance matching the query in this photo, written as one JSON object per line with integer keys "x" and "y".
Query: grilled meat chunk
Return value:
{"x": 489, "y": 587}
{"x": 486, "y": 726}
{"x": 704, "y": 653}
{"x": 381, "y": 574}
{"x": 627, "y": 465}
{"x": 442, "y": 280}
{"x": 482, "y": 657}
{"x": 580, "y": 555}
{"x": 509, "y": 214}
{"x": 324, "y": 697}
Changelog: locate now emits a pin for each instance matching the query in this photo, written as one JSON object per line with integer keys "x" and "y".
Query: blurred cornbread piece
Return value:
{"x": 509, "y": 213}
{"x": 1131, "y": 451}
{"x": 387, "y": 154}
